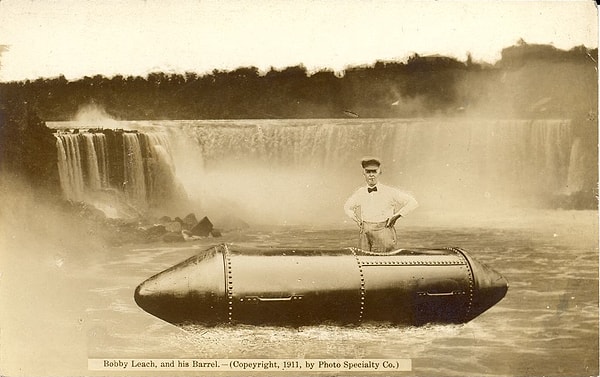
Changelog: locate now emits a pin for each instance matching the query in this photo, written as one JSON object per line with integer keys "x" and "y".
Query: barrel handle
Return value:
{"x": 273, "y": 299}
{"x": 453, "y": 293}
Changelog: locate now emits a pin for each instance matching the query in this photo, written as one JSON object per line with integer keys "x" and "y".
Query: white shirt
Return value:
{"x": 380, "y": 205}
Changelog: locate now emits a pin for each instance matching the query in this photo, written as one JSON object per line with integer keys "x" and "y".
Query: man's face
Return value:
{"x": 371, "y": 174}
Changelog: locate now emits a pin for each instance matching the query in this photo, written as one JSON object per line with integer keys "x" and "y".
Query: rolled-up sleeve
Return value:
{"x": 351, "y": 205}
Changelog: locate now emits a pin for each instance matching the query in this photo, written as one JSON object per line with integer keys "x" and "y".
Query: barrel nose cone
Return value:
{"x": 189, "y": 291}
{"x": 489, "y": 287}
{"x": 142, "y": 296}
{"x": 149, "y": 298}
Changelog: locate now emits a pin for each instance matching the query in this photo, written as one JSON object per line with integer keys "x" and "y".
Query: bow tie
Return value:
{"x": 370, "y": 190}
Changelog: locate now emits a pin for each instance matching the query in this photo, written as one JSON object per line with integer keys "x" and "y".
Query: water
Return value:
{"x": 546, "y": 325}
{"x": 74, "y": 304}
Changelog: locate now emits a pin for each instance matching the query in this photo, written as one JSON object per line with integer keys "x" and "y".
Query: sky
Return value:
{"x": 77, "y": 38}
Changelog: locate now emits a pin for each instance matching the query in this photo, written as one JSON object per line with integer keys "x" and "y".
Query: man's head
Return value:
{"x": 371, "y": 170}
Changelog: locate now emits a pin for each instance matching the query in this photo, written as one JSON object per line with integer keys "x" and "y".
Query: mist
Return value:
{"x": 44, "y": 315}
{"x": 301, "y": 172}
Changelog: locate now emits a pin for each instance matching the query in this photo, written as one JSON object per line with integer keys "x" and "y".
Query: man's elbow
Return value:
{"x": 411, "y": 205}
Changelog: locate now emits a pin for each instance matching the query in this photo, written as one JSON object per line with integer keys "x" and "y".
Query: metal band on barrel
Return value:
{"x": 362, "y": 285}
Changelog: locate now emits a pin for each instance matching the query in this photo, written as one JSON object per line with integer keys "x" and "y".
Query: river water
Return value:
{"x": 74, "y": 304}
{"x": 546, "y": 325}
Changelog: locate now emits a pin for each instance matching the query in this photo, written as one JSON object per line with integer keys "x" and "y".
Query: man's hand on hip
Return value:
{"x": 392, "y": 221}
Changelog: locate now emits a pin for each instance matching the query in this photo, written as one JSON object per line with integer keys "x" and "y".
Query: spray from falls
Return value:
{"x": 290, "y": 171}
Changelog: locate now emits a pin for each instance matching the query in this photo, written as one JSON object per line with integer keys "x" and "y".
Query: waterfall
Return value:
{"x": 92, "y": 167}
{"x": 134, "y": 184}
{"x": 69, "y": 166}
{"x": 139, "y": 165}
{"x": 516, "y": 156}
{"x": 100, "y": 147}
{"x": 303, "y": 170}
{"x": 158, "y": 166}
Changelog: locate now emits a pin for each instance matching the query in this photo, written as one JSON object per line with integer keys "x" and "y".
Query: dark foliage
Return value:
{"x": 422, "y": 86}
{"x": 27, "y": 146}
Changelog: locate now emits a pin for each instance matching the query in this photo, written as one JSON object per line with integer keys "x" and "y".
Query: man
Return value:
{"x": 376, "y": 207}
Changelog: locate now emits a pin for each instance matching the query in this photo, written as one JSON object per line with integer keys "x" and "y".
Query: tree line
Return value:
{"x": 420, "y": 87}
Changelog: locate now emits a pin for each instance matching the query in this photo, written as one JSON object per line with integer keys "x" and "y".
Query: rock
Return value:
{"x": 203, "y": 228}
{"x": 216, "y": 233}
{"x": 173, "y": 226}
{"x": 165, "y": 220}
{"x": 178, "y": 219}
{"x": 580, "y": 200}
{"x": 173, "y": 237}
{"x": 156, "y": 230}
{"x": 126, "y": 224}
{"x": 93, "y": 213}
{"x": 190, "y": 221}
{"x": 87, "y": 211}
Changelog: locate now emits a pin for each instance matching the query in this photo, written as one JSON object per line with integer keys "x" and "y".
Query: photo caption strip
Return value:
{"x": 245, "y": 365}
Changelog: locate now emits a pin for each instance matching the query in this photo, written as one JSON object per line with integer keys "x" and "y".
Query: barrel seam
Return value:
{"x": 362, "y": 285}
{"x": 229, "y": 283}
{"x": 471, "y": 278}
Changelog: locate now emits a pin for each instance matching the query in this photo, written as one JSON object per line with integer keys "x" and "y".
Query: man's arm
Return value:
{"x": 350, "y": 208}
{"x": 406, "y": 202}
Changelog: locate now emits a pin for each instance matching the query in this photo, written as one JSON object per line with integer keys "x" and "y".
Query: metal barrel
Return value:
{"x": 299, "y": 286}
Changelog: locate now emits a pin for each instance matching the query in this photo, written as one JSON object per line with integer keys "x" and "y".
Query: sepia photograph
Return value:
{"x": 321, "y": 188}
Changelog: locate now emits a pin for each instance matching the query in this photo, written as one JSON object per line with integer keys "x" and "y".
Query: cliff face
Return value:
{"x": 27, "y": 146}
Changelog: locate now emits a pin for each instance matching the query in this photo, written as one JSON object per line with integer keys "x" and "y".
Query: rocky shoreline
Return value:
{"x": 147, "y": 229}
